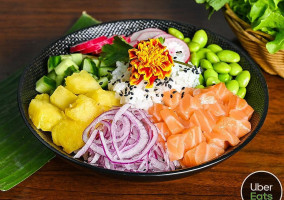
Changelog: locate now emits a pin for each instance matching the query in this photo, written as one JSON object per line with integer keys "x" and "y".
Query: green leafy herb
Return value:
{"x": 162, "y": 40}
{"x": 118, "y": 51}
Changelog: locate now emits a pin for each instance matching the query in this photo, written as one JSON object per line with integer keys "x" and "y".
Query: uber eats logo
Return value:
{"x": 261, "y": 185}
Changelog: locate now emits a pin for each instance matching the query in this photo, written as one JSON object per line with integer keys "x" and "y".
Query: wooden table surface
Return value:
{"x": 29, "y": 26}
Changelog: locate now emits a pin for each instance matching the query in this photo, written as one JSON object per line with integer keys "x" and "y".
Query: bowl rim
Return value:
{"x": 155, "y": 174}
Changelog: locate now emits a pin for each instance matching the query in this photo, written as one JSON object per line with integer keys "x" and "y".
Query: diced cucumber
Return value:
{"x": 95, "y": 77}
{"x": 102, "y": 64}
{"x": 90, "y": 66}
{"x": 96, "y": 61}
{"x": 63, "y": 57}
{"x": 59, "y": 80}
{"x": 103, "y": 82}
{"x": 45, "y": 85}
{"x": 77, "y": 58}
{"x": 105, "y": 71}
{"x": 52, "y": 62}
{"x": 64, "y": 65}
{"x": 52, "y": 75}
{"x": 69, "y": 71}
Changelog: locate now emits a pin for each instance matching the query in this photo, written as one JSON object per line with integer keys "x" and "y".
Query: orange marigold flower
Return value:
{"x": 149, "y": 61}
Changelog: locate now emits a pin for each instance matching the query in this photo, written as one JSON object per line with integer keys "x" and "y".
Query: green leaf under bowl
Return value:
{"x": 21, "y": 154}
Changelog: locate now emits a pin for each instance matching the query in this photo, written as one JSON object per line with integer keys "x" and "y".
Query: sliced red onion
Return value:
{"x": 124, "y": 139}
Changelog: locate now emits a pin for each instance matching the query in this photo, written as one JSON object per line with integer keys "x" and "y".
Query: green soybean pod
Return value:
{"x": 201, "y": 79}
{"x": 243, "y": 78}
{"x": 212, "y": 81}
{"x": 242, "y": 92}
{"x": 194, "y": 59}
{"x": 233, "y": 86}
{"x": 193, "y": 46}
{"x": 214, "y": 48}
{"x": 210, "y": 73}
{"x": 200, "y": 37}
{"x": 228, "y": 56}
{"x": 199, "y": 87}
{"x": 176, "y": 33}
{"x": 235, "y": 69}
{"x": 222, "y": 67}
{"x": 186, "y": 40}
{"x": 202, "y": 53}
{"x": 224, "y": 77}
{"x": 212, "y": 57}
{"x": 205, "y": 64}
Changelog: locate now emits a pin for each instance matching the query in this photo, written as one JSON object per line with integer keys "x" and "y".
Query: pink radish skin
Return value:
{"x": 96, "y": 49}
{"x": 87, "y": 44}
{"x": 135, "y": 35}
{"x": 181, "y": 43}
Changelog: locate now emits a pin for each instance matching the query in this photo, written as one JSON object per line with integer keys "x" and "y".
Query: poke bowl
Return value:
{"x": 146, "y": 161}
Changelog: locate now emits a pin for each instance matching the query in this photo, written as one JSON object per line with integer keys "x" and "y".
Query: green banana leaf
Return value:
{"x": 18, "y": 157}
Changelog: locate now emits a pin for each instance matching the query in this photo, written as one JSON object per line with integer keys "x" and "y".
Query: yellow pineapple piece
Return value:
{"x": 68, "y": 134}
{"x": 44, "y": 97}
{"x": 104, "y": 97}
{"x": 84, "y": 109}
{"x": 43, "y": 114}
{"x": 81, "y": 83}
{"x": 62, "y": 97}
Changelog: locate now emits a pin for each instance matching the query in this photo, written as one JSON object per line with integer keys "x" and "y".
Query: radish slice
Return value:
{"x": 174, "y": 45}
{"x": 164, "y": 35}
{"x": 97, "y": 48}
{"x": 87, "y": 44}
{"x": 135, "y": 35}
{"x": 148, "y": 35}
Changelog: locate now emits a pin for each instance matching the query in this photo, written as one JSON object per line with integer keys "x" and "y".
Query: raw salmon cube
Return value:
{"x": 155, "y": 110}
{"x": 172, "y": 121}
{"x": 194, "y": 136}
{"x": 175, "y": 145}
{"x": 171, "y": 98}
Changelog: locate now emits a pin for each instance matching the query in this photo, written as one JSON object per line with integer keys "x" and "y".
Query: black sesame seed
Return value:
{"x": 100, "y": 83}
{"x": 120, "y": 94}
{"x": 174, "y": 92}
{"x": 131, "y": 98}
{"x": 183, "y": 88}
{"x": 162, "y": 95}
{"x": 109, "y": 71}
{"x": 145, "y": 82}
{"x": 147, "y": 96}
{"x": 157, "y": 95}
{"x": 160, "y": 83}
{"x": 146, "y": 90}
{"x": 182, "y": 94}
{"x": 175, "y": 57}
{"x": 179, "y": 52}
{"x": 131, "y": 93}
{"x": 122, "y": 76}
{"x": 135, "y": 87}
{"x": 171, "y": 96}
{"x": 171, "y": 79}
{"x": 155, "y": 89}
{"x": 170, "y": 86}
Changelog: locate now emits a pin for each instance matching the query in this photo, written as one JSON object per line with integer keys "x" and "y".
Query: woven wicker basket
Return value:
{"x": 254, "y": 42}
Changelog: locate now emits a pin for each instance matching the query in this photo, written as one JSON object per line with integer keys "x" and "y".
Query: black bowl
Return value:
{"x": 257, "y": 93}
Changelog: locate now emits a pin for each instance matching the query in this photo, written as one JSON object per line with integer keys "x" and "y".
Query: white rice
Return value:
{"x": 141, "y": 97}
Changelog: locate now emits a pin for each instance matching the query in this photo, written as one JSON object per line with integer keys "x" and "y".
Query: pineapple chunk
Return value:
{"x": 84, "y": 109}
{"x": 44, "y": 97}
{"x": 68, "y": 134}
{"x": 44, "y": 115}
{"x": 104, "y": 98}
{"x": 62, "y": 97}
{"x": 81, "y": 83}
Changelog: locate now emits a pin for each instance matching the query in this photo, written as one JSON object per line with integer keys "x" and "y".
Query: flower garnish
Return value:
{"x": 149, "y": 61}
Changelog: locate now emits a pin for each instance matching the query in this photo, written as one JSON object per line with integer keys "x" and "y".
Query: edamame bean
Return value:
{"x": 214, "y": 48}
{"x": 243, "y": 78}
{"x": 176, "y": 33}
{"x": 224, "y": 77}
{"x": 210, "y": 73}
{"x": 201, "y": 79}
{"x": 194, "y": 59}
{"x": 193, "y": 46}
{"x": 233, "y": 86}
{"x": 242, "y": 92}
{"x": 205, "y": 64}
{"x": 200, "y": 1}
{"x": 235, "y": 69}
{"x": 228, "y": 56}
{"x": 186, "y": 40}
{"x": 200, "y": 87}
{"x": 201, "y": 53}
{"x": 212, "y": 57}
{"x": 222, "y": 67}
{"x": 212, "y": 81}
{"x": 200, "y": 37}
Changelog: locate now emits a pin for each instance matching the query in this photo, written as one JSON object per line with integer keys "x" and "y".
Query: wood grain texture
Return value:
{"x": 29, "y": 26}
